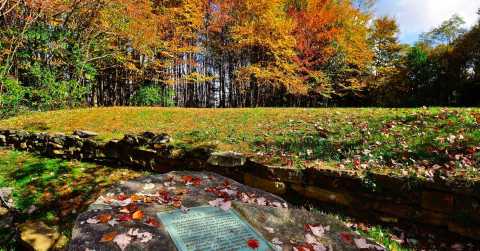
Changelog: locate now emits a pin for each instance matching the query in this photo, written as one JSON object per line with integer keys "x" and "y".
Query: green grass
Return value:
{"x": 397, "y": 141}
{"x": 57, "y": 189}
{"x": 383, "y": 237}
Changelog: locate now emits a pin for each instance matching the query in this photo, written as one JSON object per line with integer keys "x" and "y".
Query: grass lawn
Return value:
{"x": 415, "y": 142}
{"x": 418, "y": 142}
{"x": 55, "y": 191}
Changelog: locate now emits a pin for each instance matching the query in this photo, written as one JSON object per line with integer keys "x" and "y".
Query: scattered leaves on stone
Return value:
{"x": 109, "y": 236}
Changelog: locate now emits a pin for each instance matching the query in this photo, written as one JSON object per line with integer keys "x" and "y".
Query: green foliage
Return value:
{"x": 446, "y": 33}
{"x": 152, "y": 95}
{"x": 12, "y": 96}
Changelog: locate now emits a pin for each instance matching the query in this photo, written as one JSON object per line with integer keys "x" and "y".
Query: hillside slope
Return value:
{"x": 397, "y": 140}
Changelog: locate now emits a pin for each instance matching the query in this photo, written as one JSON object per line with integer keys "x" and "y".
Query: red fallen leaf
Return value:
{"x": 346, "y": 237}
{"x": 108, "y": 237}
{"x": 125, "y": 217}
{"x": 132, "y": 207}
{"x": 138, "y": 215}
{"x": 357, "y": 162}
{"x": 303, "y": 248}
{"x": 210, "y": 189}
{"x": 471, "y": 150}
{"x": 196, "y": 181}
{"x": 253, "y": 244}
{"x": 187, "y": 179}
{"x": 152, "y": 222}
{"x": 122, "y": 197}
{"x": 165, "y": 196}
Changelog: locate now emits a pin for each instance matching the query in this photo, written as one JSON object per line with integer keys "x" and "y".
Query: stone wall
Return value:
{"x": 453, "y": 207}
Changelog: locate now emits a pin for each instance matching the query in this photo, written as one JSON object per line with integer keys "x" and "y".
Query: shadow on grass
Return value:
{"x": 56, "y": 191}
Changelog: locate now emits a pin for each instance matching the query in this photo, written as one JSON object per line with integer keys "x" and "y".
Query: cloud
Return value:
{"x": 417, "y": 16}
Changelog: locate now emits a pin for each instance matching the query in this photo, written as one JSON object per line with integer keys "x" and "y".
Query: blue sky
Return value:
{"x": 417, "y": 16}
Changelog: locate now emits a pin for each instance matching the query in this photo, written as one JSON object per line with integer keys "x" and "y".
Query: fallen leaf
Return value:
{"x": 319, "y": 230}
{"x": 141, "y": 236}
{"x": 269, "y": 229}
{"x": 177, "y": 204}
{"x": 361, "y": 243}
{"x": 319, "y": 247}
{"x": 346, "y": 237}
{"x": 93, "y": 221}
{"x": 104, "y": 218}
{"x": 225, "y": 206}
{"x": 136, "y": 198}
{"x": 122, "y": 197}
{"x": 112, "y": 222}
{"x": 277, "y": 244}
{"x": 122, "y": 203}
{"x": 261, "y": 201}
{"x": 310, "y": 239}
{"x": 138, "y": 215}
{"x": 148, "y": 186}
{"x": 125, "y": 217}
{"x": 122, "y": 240}
{"x": 221, "y": 203}
{"x": 253, "y": 244}
{"x": 152, "y": 222}
{"x": 187, "y": 179}
{"x": 108, "y": 237}
{"x": 229, "y": 192}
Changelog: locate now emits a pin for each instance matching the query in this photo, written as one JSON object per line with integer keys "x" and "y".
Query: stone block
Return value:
{"x": 393, "y": 209}
{"x": 227, "y": 159}
{"x": 85, "y": 134}
{"x": 437, "y": 201}
{"x": 160, "y": 139}
{"x": 323, "y": 195}
{"x": 3, "y": 140}
{"x": 472, "y": 231}
{"x": 54, "y": 146}
{"x": 271, "y": 186}
{"x": 432, "y": 218}
{"x": 288, "y": 174}
{"x": 143, "y": 154}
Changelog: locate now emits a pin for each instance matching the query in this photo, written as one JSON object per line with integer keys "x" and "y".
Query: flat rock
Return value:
{"x": 85, "y": 134}
{"x": 125, "y": 217}
{"x": 38, "y": 235}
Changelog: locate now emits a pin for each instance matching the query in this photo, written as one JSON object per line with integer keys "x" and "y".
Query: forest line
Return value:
{"x": 227, "y": 53}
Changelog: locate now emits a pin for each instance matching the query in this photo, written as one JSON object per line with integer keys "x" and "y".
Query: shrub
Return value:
{"x": 151, "y": 95}
{"x": 12, "y": 95}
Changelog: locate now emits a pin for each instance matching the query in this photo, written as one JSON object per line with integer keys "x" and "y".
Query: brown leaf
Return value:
{"x": 177, "y": 203}
{"x": 136, "y": 198}
{"x": 109, "y": 237}
{"x": 152, "y": 222}
{"x": 138, "y": 215}
{"x": 104, "y": 218}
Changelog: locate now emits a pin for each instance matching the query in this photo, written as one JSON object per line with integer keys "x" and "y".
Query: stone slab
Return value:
{"x": 114, "y": 217}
